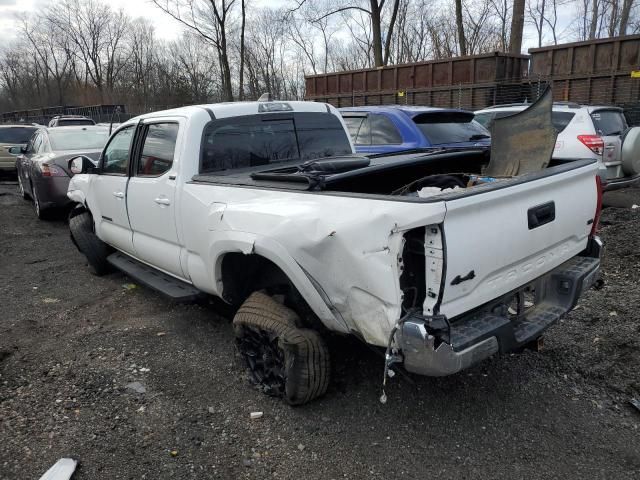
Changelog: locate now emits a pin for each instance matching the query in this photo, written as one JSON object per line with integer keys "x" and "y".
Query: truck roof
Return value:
{"x": 235, "y": 109}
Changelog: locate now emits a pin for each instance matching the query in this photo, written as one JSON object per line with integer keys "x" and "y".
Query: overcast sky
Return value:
{"x": 166, "y": 27}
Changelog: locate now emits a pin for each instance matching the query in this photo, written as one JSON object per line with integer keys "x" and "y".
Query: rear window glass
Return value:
{"x": 16, "y": 135}
{"x": 65, "y": 122}
{"x": 383, "y": 131}
{"x": 484, "y": 119}
{"x": 560, "y": 120}
{"x": 450, "y": 127}
{"x": 353, "y": 125}
{"x": 255, "y": 140}
{"x": 609, "y": 122}
{"x": 78, "y": 139}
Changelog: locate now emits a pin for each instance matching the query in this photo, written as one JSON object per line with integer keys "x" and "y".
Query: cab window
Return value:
{"x": 115, "y": 159}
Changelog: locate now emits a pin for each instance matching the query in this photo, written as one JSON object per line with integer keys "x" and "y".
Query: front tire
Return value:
{"x": 96, "y": 251}
{"x": 283, "y": 360}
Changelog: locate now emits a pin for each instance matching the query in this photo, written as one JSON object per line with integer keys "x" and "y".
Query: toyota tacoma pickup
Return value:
{"x": 266, "y": 205}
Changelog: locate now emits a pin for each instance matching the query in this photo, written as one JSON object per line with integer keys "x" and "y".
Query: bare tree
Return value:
{"x": 213, "y": 21}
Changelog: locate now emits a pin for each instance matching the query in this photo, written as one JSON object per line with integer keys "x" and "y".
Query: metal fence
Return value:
{"x": 98, "y": 113}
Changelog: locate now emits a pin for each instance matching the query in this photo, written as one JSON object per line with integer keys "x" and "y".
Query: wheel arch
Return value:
{"x": 266, "y": 266}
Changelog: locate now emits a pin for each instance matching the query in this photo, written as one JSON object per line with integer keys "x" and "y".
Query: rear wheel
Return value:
{"x": 283, "y": 360}
{"x": 21, "y": 189}
{"x": 41, "y": 213}
{"x": 96, "y": 251}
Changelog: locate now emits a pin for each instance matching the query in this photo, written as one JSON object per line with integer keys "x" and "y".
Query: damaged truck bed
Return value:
{"x": 265, "y": 205}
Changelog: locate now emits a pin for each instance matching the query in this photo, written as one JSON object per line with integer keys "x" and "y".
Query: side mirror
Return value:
{"x": 81, "y": 164}
{"x": 16, "y": 150}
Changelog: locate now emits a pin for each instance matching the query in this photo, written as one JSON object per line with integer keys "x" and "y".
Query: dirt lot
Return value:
{"x": 71, "y": 342}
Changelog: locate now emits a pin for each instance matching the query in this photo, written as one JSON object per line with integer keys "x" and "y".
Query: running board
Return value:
{"x": 173, "y": 288}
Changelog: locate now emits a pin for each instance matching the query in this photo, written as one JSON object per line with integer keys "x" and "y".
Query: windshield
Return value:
{"x": 78, "y": 139}
{"x": 16, "y": 135}
{"x": 254, "y": 140}
{"x": 450, "y": 127}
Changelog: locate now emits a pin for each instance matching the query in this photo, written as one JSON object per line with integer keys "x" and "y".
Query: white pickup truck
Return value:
{"x": 265, "y": 205}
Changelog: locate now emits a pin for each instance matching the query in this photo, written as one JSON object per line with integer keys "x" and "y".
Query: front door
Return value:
{"x": 151, "y": 197}
{"x": 109, "y": 192}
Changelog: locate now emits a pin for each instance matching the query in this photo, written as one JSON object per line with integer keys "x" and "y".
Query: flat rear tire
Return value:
{"x": 283, "y": 359}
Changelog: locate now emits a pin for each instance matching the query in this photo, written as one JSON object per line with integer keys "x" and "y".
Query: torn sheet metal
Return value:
{"x": 524, "y": 142}
{"x": 62, "y": 470}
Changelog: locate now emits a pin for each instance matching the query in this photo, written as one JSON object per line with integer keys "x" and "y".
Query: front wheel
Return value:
{"x": 96, "y": 251}
{"x": 283, "y": 360}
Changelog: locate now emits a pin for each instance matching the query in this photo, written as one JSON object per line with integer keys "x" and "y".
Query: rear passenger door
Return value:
{"x": 151, "y": 196}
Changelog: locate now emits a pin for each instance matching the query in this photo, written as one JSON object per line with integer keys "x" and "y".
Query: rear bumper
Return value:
{"x": 614, "y": 184}
{"x": 491, "y": 329}
{"x": 52, "y": 191}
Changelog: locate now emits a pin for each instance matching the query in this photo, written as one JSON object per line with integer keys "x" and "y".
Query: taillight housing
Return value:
{"x": 51, "y": 170}
{"x": 596, "y": 216}
{"x": 593, "y": 143}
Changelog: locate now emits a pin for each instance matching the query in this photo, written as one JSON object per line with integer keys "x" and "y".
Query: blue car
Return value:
{"x": 393, "y": 128}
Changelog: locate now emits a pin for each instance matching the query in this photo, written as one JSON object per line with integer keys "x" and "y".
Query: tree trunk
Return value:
{"x": 462, "y": 41}
{"x": 392, "y": 22}
{"x": 241, "y": 74}
{"x": 517, "y": 27}
{"x": 376, "y": 31}
{"x": 593, "y": 27}
{"x": 624, "y": 16}
{"x": 542, "y": 7}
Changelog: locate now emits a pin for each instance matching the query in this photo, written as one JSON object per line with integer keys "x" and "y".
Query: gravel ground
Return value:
{"x": 70, "y": 343}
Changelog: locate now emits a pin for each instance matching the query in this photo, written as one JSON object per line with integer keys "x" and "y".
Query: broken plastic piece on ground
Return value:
{"x": 255, "y": 415}
{"x": 62, "y": 470}
{"x": 129, "y": 286}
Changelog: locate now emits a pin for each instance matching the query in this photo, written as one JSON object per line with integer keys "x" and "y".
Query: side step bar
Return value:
{"x": 173, "y": 288}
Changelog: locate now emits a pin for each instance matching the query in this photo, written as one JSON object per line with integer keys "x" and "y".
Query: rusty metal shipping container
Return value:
{"x": 470, "y": 80}
{"x": 591, "y": 72}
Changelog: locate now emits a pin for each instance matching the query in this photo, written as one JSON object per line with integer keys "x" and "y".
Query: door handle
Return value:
{"x": 162, "y": 201}
{"x": 118, "y": 194}
{"x": 541, "y": 215}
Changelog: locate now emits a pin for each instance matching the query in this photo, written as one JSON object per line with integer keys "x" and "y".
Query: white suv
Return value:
{"x": 583, "y": 132}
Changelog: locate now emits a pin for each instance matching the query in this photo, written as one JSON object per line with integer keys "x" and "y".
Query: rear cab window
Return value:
{"x": 609, "y": 122}
{"x": 450, "y": 127}
{"x": 264, "y": 139}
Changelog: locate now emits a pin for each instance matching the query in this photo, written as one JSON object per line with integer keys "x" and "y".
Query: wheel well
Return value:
{"x": 244, "y": 274}
{"x": 77, "y": 209}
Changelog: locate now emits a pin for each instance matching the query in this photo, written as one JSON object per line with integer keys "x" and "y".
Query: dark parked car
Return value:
{"x": 43, "y": 165}
{"x": 70, "y": 120}
{"x": 13, "y": 136}
{"x": 393, "y": 128}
